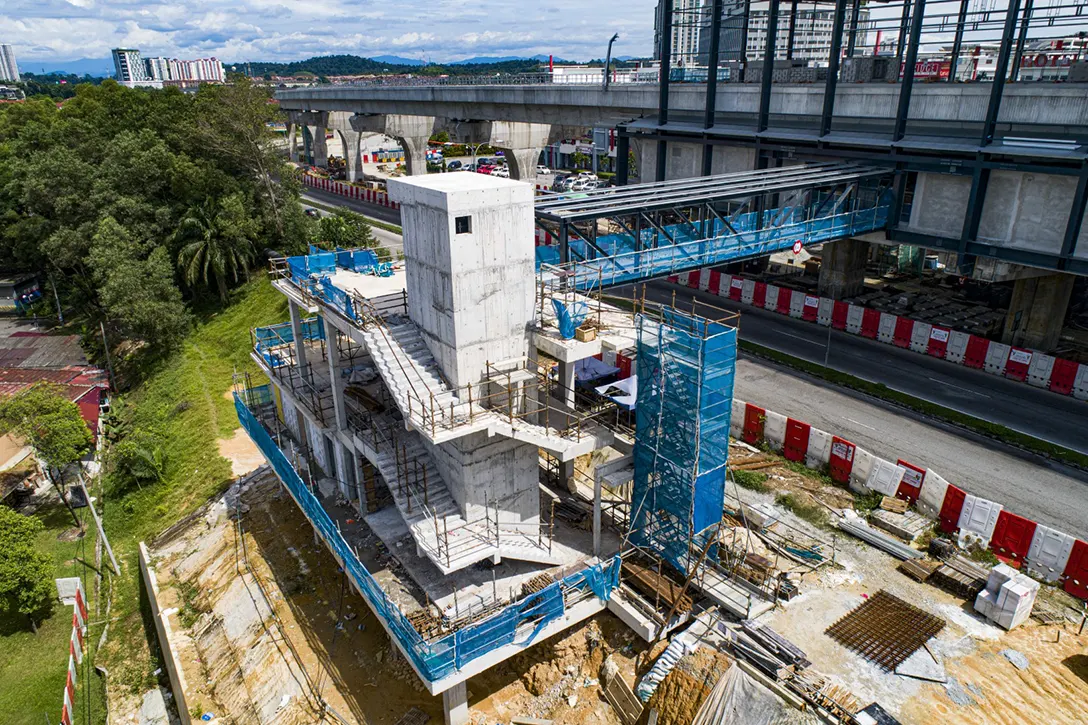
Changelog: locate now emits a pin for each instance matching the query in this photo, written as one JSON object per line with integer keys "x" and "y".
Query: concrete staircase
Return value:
{"x": 413, "y": 376}
{"x": 434, "y": 519}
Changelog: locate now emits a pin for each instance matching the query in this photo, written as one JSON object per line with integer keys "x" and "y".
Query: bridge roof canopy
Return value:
{"x": 662, "y": 195}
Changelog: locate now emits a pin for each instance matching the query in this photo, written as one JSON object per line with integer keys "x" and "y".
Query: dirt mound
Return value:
{"x": 683, "y": 690}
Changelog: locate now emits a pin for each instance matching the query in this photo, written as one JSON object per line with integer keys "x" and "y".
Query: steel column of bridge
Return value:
{"x": 1001, "y": 71}
{"x": 712, "y": 80}
{"x": 907, "y": 84}
{"x": 904, "y": 25}
{"x": 623, "y": 152}
{"x": 852, "y": 39}
{"x": 663, "y": 81}
{"x": 768, "y": 67}
{"x": 833, "y": 67}
{"x": 1076, "y": 217}
{"x": 1021, "y": 39}
{"x": 957, "y": 44}
{"x": 793, "y": 30}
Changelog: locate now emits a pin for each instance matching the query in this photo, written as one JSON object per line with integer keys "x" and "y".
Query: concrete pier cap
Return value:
{"x": 412, "y": 132}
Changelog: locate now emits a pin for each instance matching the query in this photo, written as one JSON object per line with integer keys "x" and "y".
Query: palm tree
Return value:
{"x": 220, "y": 242}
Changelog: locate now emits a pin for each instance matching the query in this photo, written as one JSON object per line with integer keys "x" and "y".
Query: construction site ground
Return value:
{"x": 339, "y": 651}
{"x": 243, "y": 664}
{"x": 981, "y": 684}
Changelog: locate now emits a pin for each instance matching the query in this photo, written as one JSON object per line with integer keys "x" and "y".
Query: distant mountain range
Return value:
{"x": 97, "y": 67}
{"x": 103, "y": 67}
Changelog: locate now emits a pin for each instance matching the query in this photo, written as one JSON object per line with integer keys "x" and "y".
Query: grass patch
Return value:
{"x": 185, "y": 404}
{"x": 821, "y": 476}
{"x": 866, "y": 502}
{"x": 752, "y": 480}
{"x": 810, "y": 512}
{"x": 879, "y": 390}
{"x": 33, "y": 666}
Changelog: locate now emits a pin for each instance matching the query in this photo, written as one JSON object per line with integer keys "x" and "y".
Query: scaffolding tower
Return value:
{"x": 686, "y": 365}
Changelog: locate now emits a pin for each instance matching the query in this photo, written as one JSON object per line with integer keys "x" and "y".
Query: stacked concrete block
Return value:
{"x": 1008, "y": 598}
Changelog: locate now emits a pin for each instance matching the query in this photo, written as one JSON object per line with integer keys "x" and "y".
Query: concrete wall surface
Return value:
{"x": 491, "y": 471}
{"x": 163, "y": 630}
{"x": 471, "y": 294}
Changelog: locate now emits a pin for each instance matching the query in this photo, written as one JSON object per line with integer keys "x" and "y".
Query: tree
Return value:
{"x": 50, "y": 424}
{"x": 26, "y": 574}
{"x": 137, "y": 292}
{"x": 344, "y": 228}
{"x": 222, "y": 242}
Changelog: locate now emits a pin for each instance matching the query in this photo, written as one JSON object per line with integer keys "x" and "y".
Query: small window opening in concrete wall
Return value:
{"x": 463, "y": 225}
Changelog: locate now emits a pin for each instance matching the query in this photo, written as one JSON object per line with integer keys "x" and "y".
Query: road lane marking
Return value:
{"x": 957, "y": 387}
{"x": 802, "y": 339}
{"x": 861, "y": 424}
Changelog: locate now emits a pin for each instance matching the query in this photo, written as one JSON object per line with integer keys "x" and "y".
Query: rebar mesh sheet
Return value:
{"x": 885, "y": 630}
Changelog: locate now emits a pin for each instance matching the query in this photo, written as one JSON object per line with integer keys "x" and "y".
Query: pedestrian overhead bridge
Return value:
{"x": 631, "y": 233}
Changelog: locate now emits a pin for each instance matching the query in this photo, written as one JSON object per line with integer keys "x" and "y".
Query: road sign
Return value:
{"x": 797, "y": 247}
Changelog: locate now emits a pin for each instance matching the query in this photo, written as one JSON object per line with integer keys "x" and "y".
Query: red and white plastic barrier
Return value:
{"x": 1050, "y": 554}
{"x": 1065, "y": 377}
{"x": 75, "y": 655}
{"x": 350, "y": 191}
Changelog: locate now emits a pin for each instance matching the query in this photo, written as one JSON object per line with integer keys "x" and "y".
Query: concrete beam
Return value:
{"x": 412, "y": 132}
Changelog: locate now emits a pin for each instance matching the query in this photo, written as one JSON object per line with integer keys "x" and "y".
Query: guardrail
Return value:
{"x": 520, "y": 621}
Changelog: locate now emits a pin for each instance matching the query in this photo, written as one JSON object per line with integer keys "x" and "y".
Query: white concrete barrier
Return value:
{"x": 818, "y": 454}
{"x": 886, "y": 331}
{"x": 774, "y": 430}
{"x": 919, "y": 336}
{"x": 957, "y": 346}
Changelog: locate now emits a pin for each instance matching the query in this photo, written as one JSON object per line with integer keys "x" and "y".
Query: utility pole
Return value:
{"x": 98, "y": 524}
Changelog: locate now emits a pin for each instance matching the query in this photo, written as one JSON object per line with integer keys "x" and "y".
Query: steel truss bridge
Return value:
{"x": 631, "y": 233}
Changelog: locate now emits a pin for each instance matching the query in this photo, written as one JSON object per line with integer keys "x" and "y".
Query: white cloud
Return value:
{"x": 239, "y": 30}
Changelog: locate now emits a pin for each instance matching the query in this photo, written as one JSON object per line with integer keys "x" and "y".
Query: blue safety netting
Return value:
{"x": 318, "y": 263}
{"x": 437, "y": 659}
{"x": 686, "y": 366}
{"x": 547, "y": 255}
{"x": 336, "y": 298}
{"x": 616, "y": 258}
{"x": 569, "y": 318}
{"x": 268, "y": 339}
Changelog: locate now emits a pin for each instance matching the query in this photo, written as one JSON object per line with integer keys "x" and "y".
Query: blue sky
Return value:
{"x": 50, "y": 31}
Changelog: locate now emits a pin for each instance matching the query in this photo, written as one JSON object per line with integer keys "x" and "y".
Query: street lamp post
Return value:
{"x": 608, "y": 59}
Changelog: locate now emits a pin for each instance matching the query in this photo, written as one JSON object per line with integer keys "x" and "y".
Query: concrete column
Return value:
{"x": 566, "y": 379}
{"x": 300, "y": 346}
{"x": 597, "y": 515}
{"x": 352, "y": 156}
{"x": 455, "y": 705}
{"x": 336, "y": 380}
{"x": 523, "y": 162}
{"x": 318, "y": 147}
{"x": 346, "y": 478}
{"x": 360, "y": 490}
{"x": 1037, "y": 311}
{"x": 842, "y": 268}
{"x": 292, "y": 142}
{"x": 412, "y": 132}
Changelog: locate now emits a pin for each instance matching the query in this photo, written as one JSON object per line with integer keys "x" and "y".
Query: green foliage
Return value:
{"x": 50, "y": 423}
{"x": 26, "y": 574}
{"x": 579, "y": 160}
{"x": 866, "y": 502}
{"x": 55, "y": 86}
{"x": 978, "y": 552}
{"x": 441, "y": 137}
{"x": 344, "y": 228}
{"x": 751, "y": 480}
{"x": 810, "y": 512}
{"x": 137, "y": 202}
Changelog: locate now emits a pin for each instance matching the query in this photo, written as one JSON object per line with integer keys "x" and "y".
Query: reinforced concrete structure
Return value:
{"x": 446, "y": 401}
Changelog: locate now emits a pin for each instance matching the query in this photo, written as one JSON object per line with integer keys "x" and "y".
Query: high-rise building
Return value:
{"x": 9, "y": 69}
{"x": 691, "y": 30}
{"x": 130, "y": 68}
{"x": 158, "y": 69}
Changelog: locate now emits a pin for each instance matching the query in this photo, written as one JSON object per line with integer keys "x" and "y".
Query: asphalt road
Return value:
{"x": 1051, "y": 494}
{"x": 375, "y": 211}
{"x": 1049, "y": 416}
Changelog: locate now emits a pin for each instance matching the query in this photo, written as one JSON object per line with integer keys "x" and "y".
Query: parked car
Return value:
{"x": 502, "y": 172}
{"x": 454, "y": 165}
{"x": 485, "y": 169}
{"x": 484, "y": 161}
{"x": 542, "y": 169}
{"x": 588, "y": 175}
{"x": 310, "y": 211}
